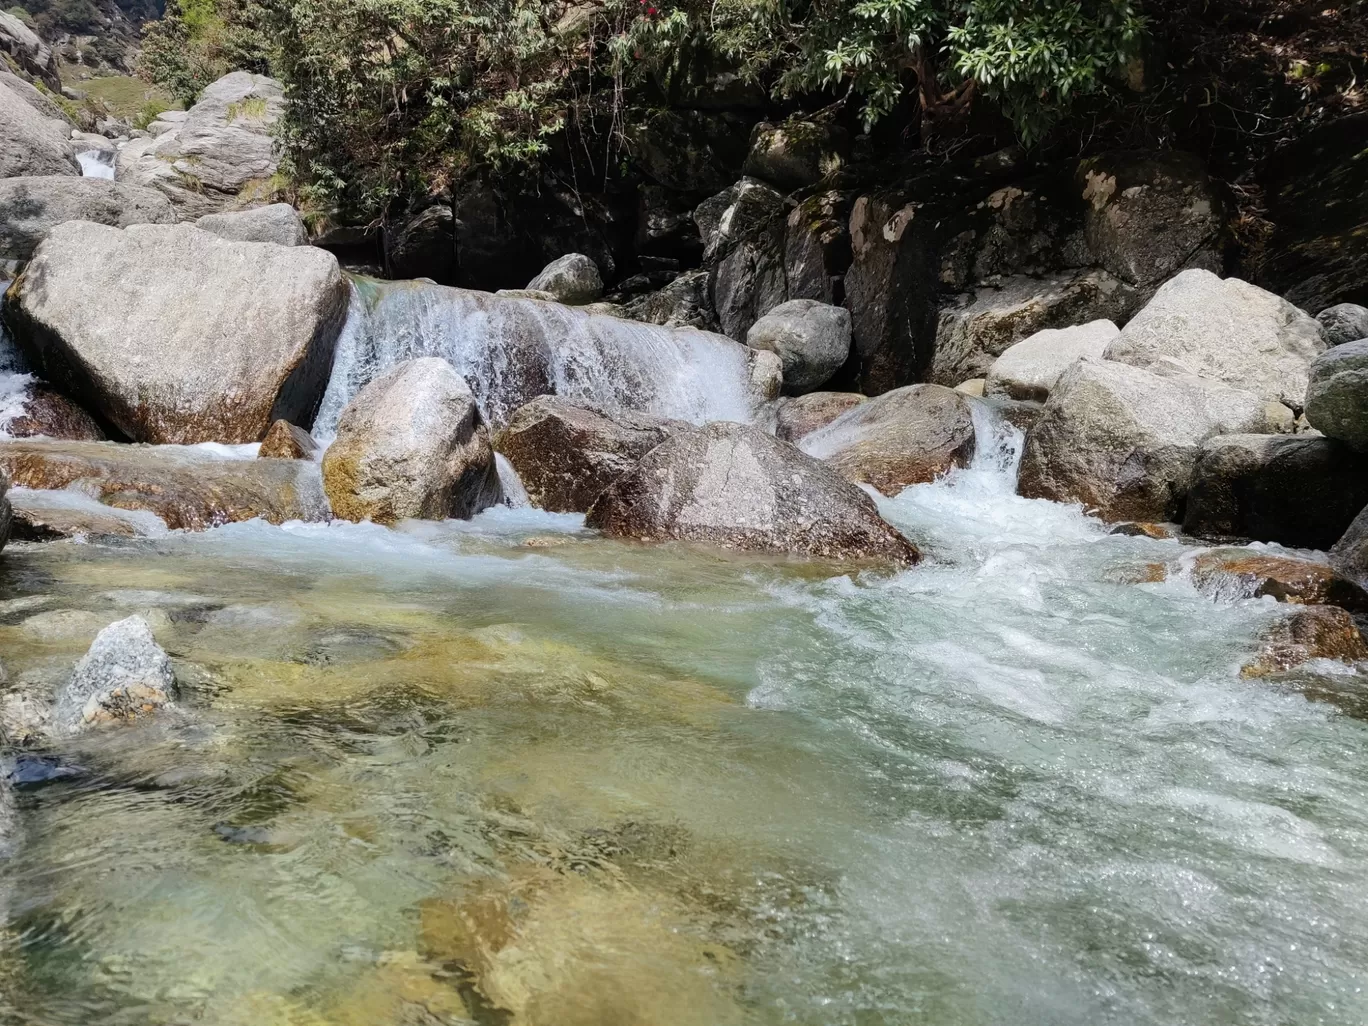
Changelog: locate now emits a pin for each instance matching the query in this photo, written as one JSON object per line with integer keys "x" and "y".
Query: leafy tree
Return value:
{"x": 199, "y": 41}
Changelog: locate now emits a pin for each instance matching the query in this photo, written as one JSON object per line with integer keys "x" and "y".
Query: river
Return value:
{"x": 509, "y": 772}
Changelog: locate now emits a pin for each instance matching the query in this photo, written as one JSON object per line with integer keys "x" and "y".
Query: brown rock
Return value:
{"x": 286, "y": 441}
{"x": 1241, "y": 574}
{"x": 49, "y": 414}
{"x": 49, "y": 516}
{"x": 567, "y": 455}
{"x": 909, "y": 436}
{"x": 188, "y": 489}
{"x": 1142, "y": 529}
{"x": 1316, "y": 632}
{"x": 736, "y": 487}
{"x": 804, "y": 414}
{"x": 411, "y": 444}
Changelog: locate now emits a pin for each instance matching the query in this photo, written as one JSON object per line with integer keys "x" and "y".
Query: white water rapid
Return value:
{"x": 512, "y": 350}
{"x": 97, "y": 163}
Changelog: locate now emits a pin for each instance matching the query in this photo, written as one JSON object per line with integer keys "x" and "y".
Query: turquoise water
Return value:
{"x": 508, "y": 772}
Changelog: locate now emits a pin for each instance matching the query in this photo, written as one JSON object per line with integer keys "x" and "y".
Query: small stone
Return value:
{"x": 286, "y": 441}
{"x": 124, "y": 677}
{"x": 973, "y": 387}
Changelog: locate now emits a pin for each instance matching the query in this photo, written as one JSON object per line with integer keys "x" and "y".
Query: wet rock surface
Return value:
{"x": 799, "y": 416}
{"x": 909, "y": 436}
{"x": 125, "y": 676}
{"x": 1316, "y": 632}
{"x": 1233, "y": 574}
{"x": 187, "y": 488}
{"x": 286, "y": 441}
{"x": 1297, "y": 490}
{"x": 411, "y": 444}
{"x": 735, "y": 487}
{"x": 567, "y": 455}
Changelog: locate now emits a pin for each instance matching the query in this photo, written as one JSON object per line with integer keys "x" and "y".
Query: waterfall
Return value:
{"x": 97, "y": 163}
{"x": 511, "y": 350}
{"x": 998, "y": 443}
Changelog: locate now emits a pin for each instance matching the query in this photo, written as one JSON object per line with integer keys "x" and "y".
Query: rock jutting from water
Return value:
{"x": 125, "y": 676}
{"x": 736, "y": 487}
{"x": 411, "y": 444}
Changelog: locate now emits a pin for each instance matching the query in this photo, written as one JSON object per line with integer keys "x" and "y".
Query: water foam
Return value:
{"x": 511, "y": 350}
{"x": 97, "y": 164}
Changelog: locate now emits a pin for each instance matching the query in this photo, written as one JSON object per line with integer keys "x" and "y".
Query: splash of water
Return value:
{"x": 96, "y": 164}
{"x": 511, "y": 350}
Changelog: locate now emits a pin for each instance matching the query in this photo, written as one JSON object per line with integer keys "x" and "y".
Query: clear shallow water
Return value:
{"x": 508, "y": 772}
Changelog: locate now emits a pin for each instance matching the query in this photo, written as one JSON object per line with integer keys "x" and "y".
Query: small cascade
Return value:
{"x": 15, "y": 378}
{"x": 97, "y": 163}
{"x": 511, "y": 350}
{"x": 515, "y": 493}
{"x": 998, "y": 443}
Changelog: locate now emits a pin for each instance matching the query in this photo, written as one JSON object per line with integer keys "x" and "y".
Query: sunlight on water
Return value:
{"x": 508, "y": 772}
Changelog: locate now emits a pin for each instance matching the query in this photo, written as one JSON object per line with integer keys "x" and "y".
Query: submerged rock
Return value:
{"x": 125, "y": 676}
{"x": 32, "y": 207}
{"x": 1029, "y": 369}
{"x": 1302, "y": 491}
{"x": 278, "y": 223}
{"x": 53, "y": 516}
{"x": 286, "y": 441}
{"x": 1228, "y": 330}
{"x": 811, "y": 339}
{"x": 572, "y": 279}
{"x": 411, "y": 444}
{"x": 567, "y": 455}
{"x": 188, "y": 488}
{"x": 909, "y": 436}
{"x": 1233, "y": 574}
{"x": 176, "y": 335}
{"x": 1337, "y": 394}
{"x": 1316, "y": 632}
{"x": 736, "y": 487}
{"x": 798, "y": 417}
{"x": 1123, "y": 441}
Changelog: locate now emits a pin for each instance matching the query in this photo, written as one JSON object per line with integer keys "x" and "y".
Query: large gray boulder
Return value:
{"x": 32, "y": 207}
{"x": 174, "y": 334}
{"x": 28, "y": 52}
{"x": 1345, "y": 322}
{"x": 1150, "y": 215}
{"x": 1123, "y": 441}
{"x": 811, "y": 339}
{"x": 1225, "y": 329}
{"x": 1302, "y": 491}
{"x": 125, "y": 676}
{"x": 743, "y": 236}
{"x": 572, "y": 279}
{"x": 31, "y": 144}
{"x": 795, "y": 155}
{"x": 817, "y": 249}
{"x": 1349, "y": 557}
{"x": 1337, "y": 394}
{"x": 221, "y": 155}
{"x": 411, "y": 444}
{"x": 1029, "y": 369}
{"x": 566, "y": 455}
{"x": 36, "y": 98}
{"x": 277, "y": 222}
{"x": 909, "y": 436}
{"x": 736, "y": 487}
{"x": 978, "y": 327}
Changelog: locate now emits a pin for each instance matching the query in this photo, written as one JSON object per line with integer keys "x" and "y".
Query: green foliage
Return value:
{"x": 200, "y": 41}
{"x": 22, "y": 15}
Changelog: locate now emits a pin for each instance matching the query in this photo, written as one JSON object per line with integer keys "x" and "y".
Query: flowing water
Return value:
{"x": 508, "y": 772}
{"x": 97, "y": 163}
{"x": 512, "y": 350}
